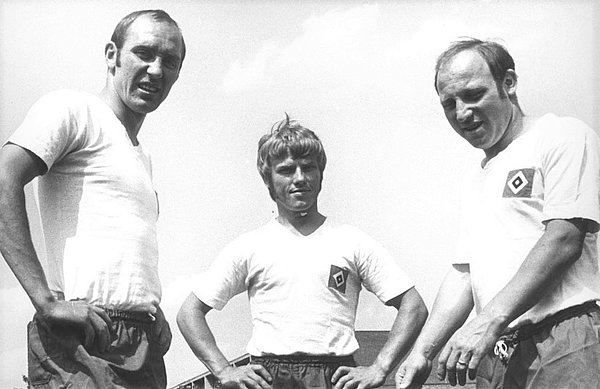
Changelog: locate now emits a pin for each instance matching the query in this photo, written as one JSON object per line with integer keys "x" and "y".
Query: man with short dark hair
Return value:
{"x": 98, "y": 323}
{"x": 303, "y": 273}
{"x": 526, "y": 257}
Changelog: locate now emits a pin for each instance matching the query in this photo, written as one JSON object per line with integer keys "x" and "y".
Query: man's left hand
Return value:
{"x": 360, "y": 377}
{"x": 466, "y": 348}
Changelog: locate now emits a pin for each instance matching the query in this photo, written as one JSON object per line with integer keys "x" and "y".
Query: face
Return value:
{"x": 473, "y": 105}
{"x": 295, "y": 183}
{"x": 147, "y": 66}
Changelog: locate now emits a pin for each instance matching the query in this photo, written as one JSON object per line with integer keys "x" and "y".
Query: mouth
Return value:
{"x": 300, "y": 190}
{"x": 472, "y": 127}
{"x": 148, "y": 87}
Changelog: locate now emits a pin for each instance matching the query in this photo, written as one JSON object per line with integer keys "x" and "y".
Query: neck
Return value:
{"x": 513, "y": 131}
{"x": 132, "y": 121}
{"x": 304, "y": 222}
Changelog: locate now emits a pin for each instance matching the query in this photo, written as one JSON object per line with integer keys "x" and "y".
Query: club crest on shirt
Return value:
{"x": 519, "y": 183}
{"x": 338, "y": 277}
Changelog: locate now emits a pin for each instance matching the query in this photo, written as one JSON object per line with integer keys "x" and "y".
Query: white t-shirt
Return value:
{"x": 303, "y": 290}
{"x": 97, "y": 202}
{"x": 552, "y": 171}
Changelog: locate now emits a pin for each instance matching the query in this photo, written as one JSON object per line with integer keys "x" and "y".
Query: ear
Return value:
{"x": 269, "y": 187}
{"x": 510, "y": 82}
{"x": 110, "y": 55}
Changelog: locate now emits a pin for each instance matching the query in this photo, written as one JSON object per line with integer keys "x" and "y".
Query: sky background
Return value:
{"x": 359, "y": 74}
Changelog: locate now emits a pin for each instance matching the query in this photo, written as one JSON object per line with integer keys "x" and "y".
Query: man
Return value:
{"x": 98, "y": 322}
{"x": 303, "y": 273}
{"x": 526, "y": 257}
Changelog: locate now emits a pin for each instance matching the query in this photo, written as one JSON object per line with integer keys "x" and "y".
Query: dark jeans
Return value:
{"x": 563, "y": 355}
{"x": 301, "y": 372}
{"x": 58, "y": 360}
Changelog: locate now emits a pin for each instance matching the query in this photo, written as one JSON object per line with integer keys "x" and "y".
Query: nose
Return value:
{"x": 299, "y": 175}
{"x": 155, "y": 68}
{"x": 463, "y": 112}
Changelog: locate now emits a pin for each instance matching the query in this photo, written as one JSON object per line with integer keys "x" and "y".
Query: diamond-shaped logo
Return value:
{"x": 519, "y": 183}
{"x": 338, "y": 278}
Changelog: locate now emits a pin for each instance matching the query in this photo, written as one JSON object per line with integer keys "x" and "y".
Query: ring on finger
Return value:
{"x": 461, "y": 363}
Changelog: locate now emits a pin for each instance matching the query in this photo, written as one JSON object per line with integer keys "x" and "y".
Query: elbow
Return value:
{"x": 186, "y": 312}
{"x": 413, "y": 306}
{"x": 422, "y": 314}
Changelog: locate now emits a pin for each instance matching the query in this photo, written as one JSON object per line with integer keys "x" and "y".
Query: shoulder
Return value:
{"x": 348, "y": 235}
{"x": 335, "y": 227}
{"x": 64, "y": 101}
{"x": 253, "y": 237}
{"x": 65, "y": 96}
{"x": 561, "y": 127}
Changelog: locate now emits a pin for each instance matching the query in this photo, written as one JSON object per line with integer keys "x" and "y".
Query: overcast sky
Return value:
{"x": 360, "y": 74}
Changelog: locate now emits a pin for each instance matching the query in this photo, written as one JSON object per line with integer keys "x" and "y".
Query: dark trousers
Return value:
{"x": 564, "y": 354}
{"x": 302, "y": 372}
{"x": 58, "y": 360}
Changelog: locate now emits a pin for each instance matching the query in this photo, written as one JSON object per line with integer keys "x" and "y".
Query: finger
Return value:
{"x": 473, "y": 365}
{"x": 256, "y": 381}
{"x": 103, "y": 315}
{"x": 88, "y": 331}
{"x": 102, "y": 332}
{"x": 405, "y": 377}
{"x": 345, "y": 382}
{"x": 253, "y": 380}
{"x": 461, "y": 372}
{"x": 262, "y": 372}
{"x": 442, "y": 359}
{"x": 339, "y": 372}
{"x": 451, "y": 365}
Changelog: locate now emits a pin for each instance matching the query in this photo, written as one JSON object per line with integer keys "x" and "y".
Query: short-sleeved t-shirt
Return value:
{"x": 97, "y": 202}
{"x": 552, "y": 171}
{"x": 303, "y": 290}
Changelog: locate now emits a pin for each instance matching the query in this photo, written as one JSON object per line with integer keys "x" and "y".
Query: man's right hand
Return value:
{"x": 93, "y": 320}
{"x": 245, "y": 377}
{"x": 413, "y": 372}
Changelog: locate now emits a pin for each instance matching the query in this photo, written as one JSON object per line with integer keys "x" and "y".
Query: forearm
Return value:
{"x": 558, "y": 248}
{"x": 451, "y": 308}
{"x": 410, "y": 318}
{"x": 191, "y": 320}
{"x": 17, "y": 247}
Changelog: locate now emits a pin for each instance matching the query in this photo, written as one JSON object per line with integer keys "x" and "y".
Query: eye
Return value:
{"x": 284, "y": 170}
{"x": 473, "y": 96}
{"x": 171, "y": 63}
{"x": 448, "y": 104}
{"x": 144, "y": 54}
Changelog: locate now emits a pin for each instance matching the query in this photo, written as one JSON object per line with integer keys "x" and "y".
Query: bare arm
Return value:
{"x": 191, "y": 320}
{"x": 17, "y": 168}
{"x": 453, "y": 303}
{"x": 411, "y": 316}
{"x": 557, "y": 249}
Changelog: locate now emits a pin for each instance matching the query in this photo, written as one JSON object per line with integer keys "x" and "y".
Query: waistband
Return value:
{"x": 346, "y": 360}
{"x": 139, "y": 317}
{"x": 526, "y": 331}
{"x": 510, "y": 339}
{"x": 117, "y": 314}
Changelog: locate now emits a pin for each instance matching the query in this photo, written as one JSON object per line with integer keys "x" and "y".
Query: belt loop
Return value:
{"x": 501, "y": 350}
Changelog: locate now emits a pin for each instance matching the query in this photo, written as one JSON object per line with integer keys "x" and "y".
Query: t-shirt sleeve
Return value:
{"x": 225, "y": 277}
{"x": 49, "y": 129}
{"x": 571, "y": 169}
{"x": 378, "y": 271}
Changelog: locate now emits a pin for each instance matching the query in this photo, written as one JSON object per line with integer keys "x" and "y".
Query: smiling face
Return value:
{"x": 146, "y": 67}
{"x": 477, "y": 107}
{"x": 295, "y": 184}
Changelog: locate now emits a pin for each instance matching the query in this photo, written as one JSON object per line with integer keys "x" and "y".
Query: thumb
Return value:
{"x": 404, "y": 377}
